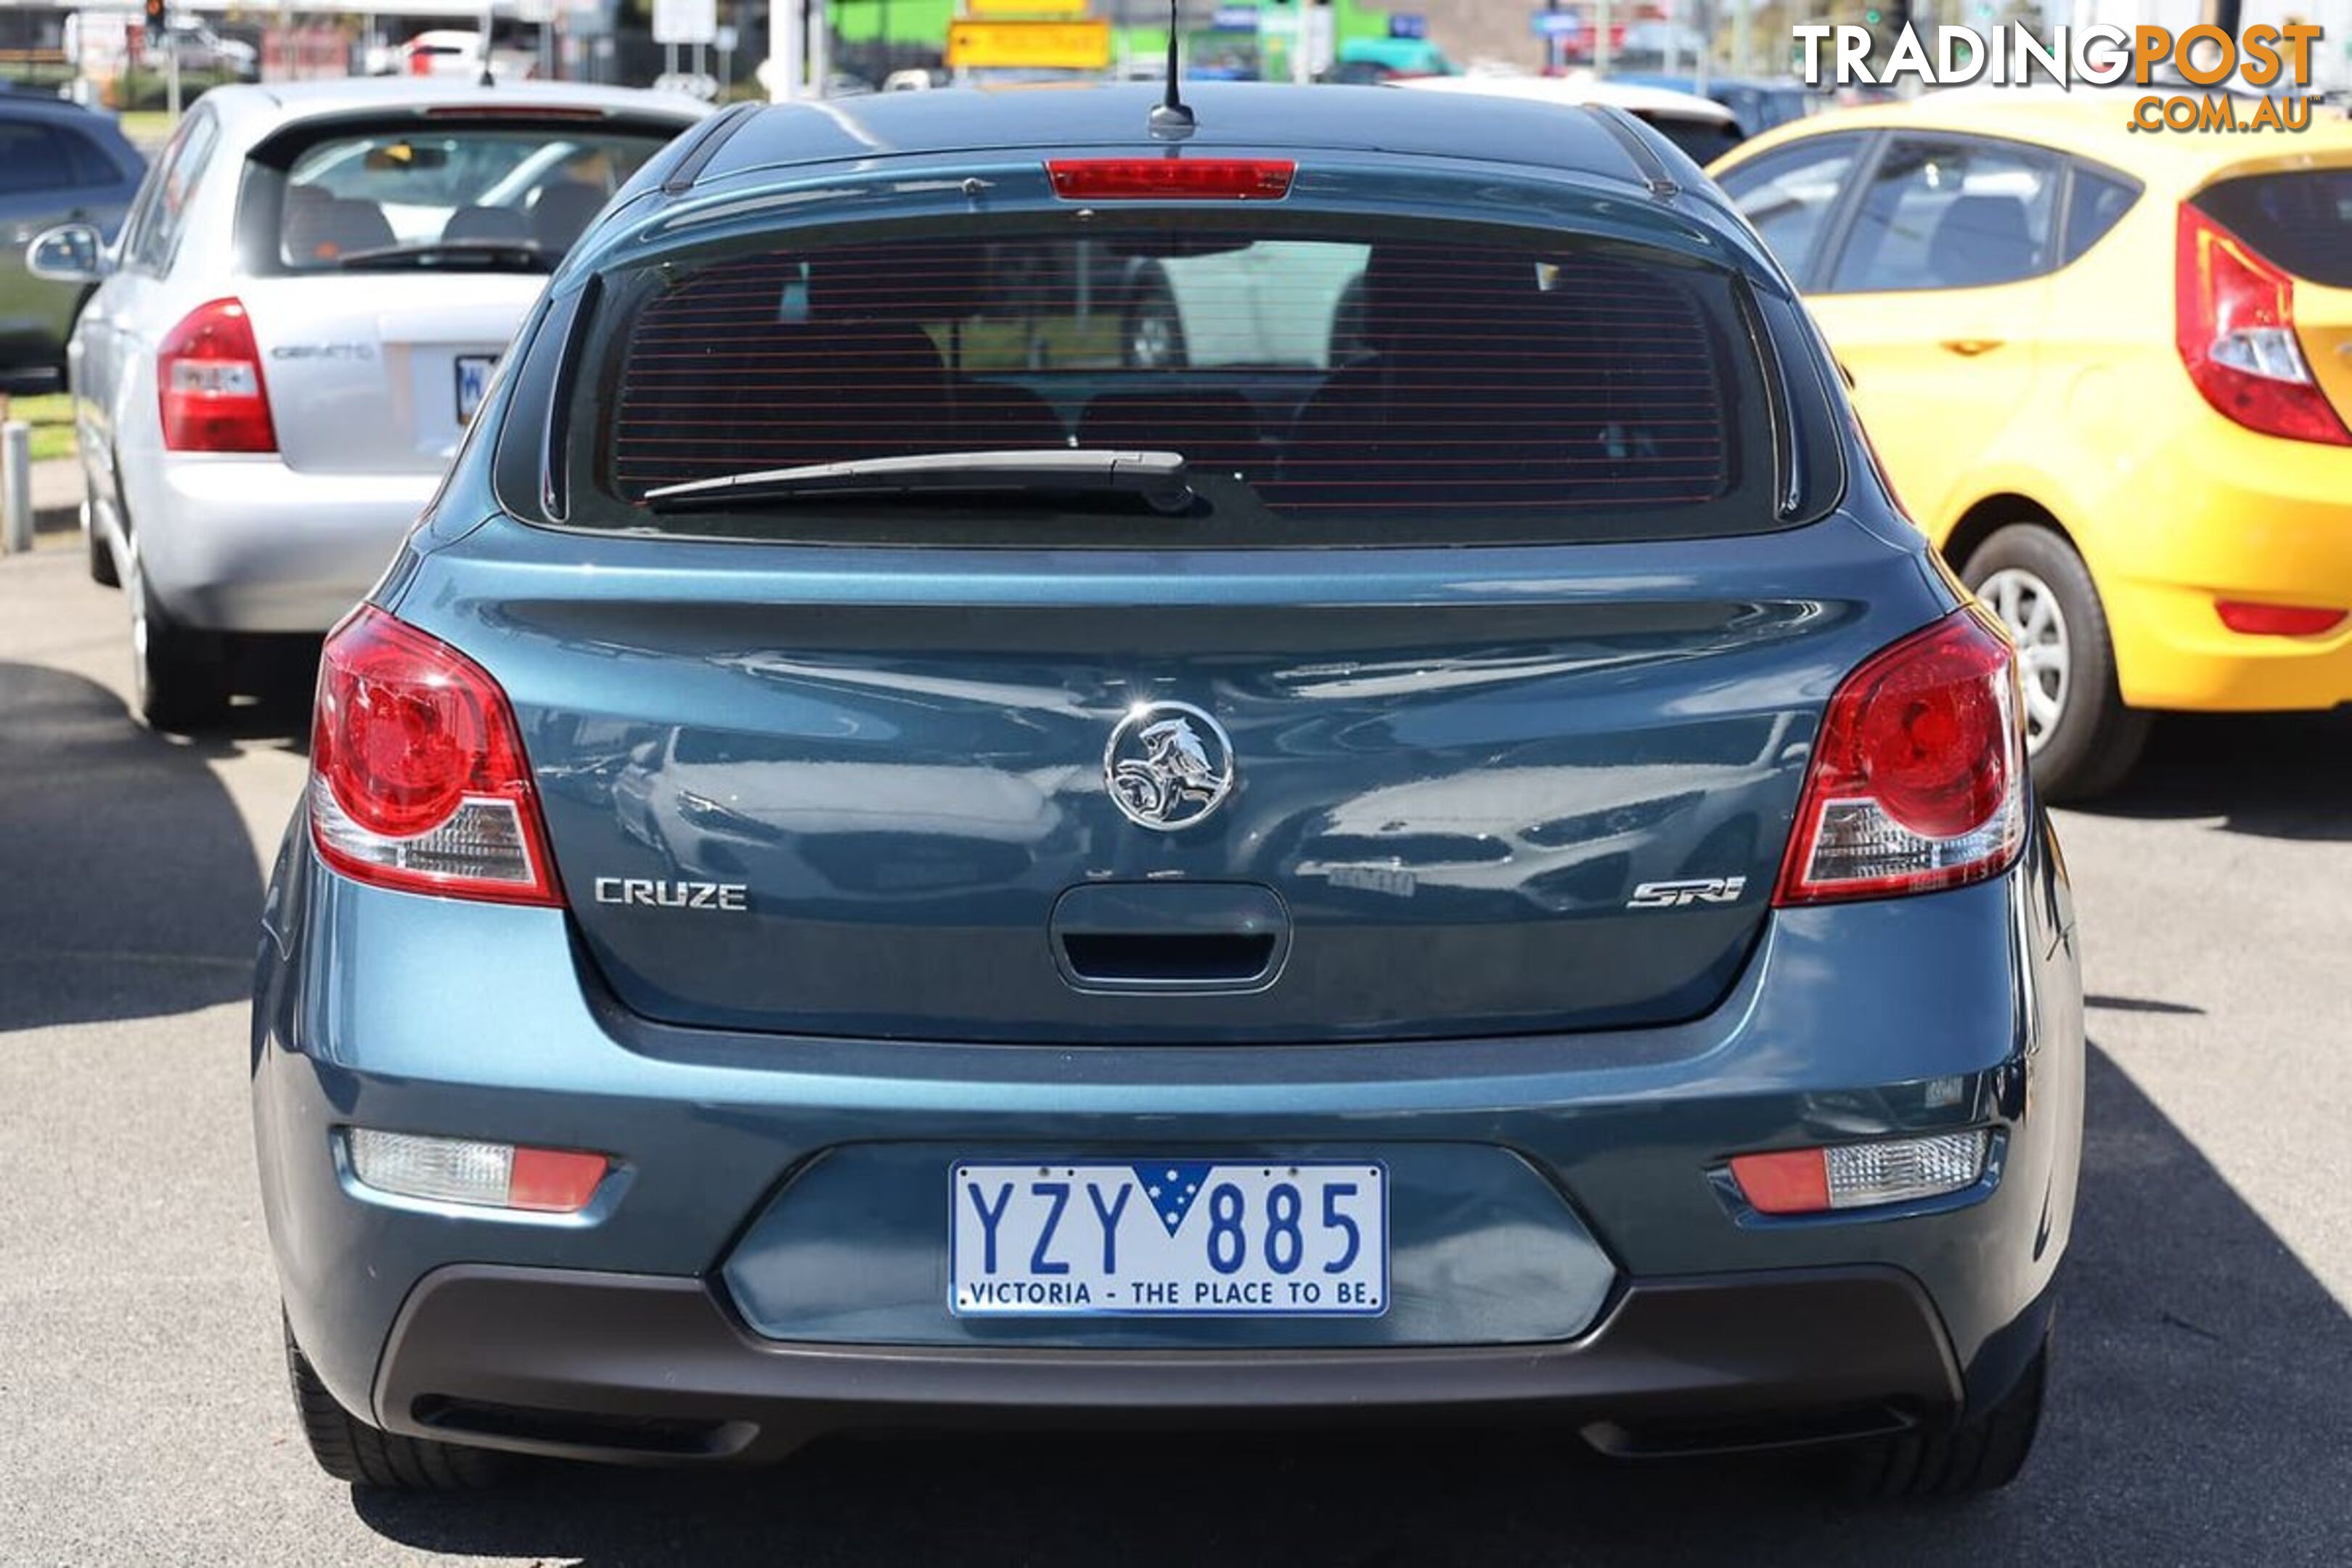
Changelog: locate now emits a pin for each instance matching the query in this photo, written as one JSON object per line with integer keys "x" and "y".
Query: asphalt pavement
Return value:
{"x": 2200, "y": 1407}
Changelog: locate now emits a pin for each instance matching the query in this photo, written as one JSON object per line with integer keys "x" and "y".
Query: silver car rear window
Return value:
{"x": 375, "y": 198}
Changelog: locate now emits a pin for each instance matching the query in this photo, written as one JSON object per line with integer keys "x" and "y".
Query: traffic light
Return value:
{"x": 156, "y": 21}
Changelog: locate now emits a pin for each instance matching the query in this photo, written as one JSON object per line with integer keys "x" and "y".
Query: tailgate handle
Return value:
{"x": 1170, "y": 936}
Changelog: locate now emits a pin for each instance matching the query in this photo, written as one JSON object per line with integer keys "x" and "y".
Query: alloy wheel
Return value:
{"x": 1151, "y": 341}
{"x": 2028, "y": 607}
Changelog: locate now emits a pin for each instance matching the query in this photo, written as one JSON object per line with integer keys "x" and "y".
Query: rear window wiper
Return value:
{"x": 505, "y": 255}
{"x": 1157, "y": 478}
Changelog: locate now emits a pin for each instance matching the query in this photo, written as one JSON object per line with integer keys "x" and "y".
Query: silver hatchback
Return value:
{"x": 313, "y": 290}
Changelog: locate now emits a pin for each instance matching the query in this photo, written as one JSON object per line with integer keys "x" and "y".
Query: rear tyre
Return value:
{"x": 1983, "y": 1453}
{"x": 101, "y": 557}
{"x": 179, "y": 682}
{"x": 350, "y": 1450}
{"x": 2081, "y": 738}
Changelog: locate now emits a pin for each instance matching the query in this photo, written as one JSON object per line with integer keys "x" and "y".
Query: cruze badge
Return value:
{"x": 1168, "y": 765}
{"x": 1690, "y": 890}
{"x": 649, "y": 893}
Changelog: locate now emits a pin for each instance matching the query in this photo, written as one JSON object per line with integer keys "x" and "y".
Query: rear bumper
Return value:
{"x": 2221, "y": 512}
{"x": 1876, "y": 1019}
{"x": 246, "y": 544}
{"x": 2173, "y": 652}
{"x": 634, "y": 1367}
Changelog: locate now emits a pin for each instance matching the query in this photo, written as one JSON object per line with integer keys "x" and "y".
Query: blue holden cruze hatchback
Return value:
{"x": 1048, "y": 762}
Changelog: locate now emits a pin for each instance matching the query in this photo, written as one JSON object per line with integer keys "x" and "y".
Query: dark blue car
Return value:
{"x": 878, "y": 859}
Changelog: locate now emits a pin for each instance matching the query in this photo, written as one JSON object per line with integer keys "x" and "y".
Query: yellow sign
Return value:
{"x": 1026, "y": 7}
{"x": 1070, "y": 45}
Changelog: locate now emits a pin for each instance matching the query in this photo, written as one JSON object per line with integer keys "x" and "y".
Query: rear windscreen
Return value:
{"x": 2302, "y": 220}
{"x": 442, "y": 198}
{"x": 1343, "y": 386}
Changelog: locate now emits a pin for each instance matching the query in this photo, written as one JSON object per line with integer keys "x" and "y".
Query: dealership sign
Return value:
{"x": 2099, "y": 55}
{"x": 1069, "y": 46}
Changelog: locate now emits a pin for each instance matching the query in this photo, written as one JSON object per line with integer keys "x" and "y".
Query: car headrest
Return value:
{"x": 896, "y": 283}
{"x": 485, "y": 223}
{"x": 321, "y": 227}
{"x": 1981, "y": 239}
{"x": 1413, "y": 289}
{"x": 560, "y": 217}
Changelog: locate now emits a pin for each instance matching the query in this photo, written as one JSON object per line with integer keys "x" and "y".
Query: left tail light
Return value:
{"x": 2234, "y": 320}
{"x": 209, "y": 376}
{"x": 418, "y": 780}
{"x": 1918, "y": 778}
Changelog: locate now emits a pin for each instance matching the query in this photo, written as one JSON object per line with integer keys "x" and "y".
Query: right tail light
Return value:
{"x": 2235, "y": 321}
{"x": 1918, "y": 778}
{"x": 418, "y": 780}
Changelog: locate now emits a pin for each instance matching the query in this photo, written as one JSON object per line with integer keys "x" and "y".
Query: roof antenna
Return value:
{"x": 1172, "y": 117}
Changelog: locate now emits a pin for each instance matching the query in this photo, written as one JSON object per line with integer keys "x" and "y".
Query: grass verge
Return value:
{"x": 51, "y": 417}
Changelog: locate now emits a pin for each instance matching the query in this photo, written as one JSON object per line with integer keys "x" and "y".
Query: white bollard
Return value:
{"x": 16, "y": 487}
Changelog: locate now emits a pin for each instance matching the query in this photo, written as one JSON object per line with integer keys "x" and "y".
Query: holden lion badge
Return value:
{"x": 1168, "y": 765}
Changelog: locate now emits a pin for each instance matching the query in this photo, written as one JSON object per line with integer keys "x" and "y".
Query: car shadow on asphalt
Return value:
{"x": 2281, "y": 775}
{"x": 132, "y": 888}
{"x": 2197, "y": 1415}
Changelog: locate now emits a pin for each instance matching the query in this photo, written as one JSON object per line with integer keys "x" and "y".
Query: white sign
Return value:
{"x": 686, "y": 21}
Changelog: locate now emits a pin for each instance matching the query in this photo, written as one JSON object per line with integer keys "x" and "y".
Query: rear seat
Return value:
{"x": 1212, "y": 429}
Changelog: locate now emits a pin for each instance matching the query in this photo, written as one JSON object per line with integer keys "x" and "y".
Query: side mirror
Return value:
{"x": 69, "y": 253}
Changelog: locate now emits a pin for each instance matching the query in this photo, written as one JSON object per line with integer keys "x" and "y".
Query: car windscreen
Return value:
{"x": 1322, "y": 384}
{"x": 2301, "y": 219}
{"x": 458, "y": 198}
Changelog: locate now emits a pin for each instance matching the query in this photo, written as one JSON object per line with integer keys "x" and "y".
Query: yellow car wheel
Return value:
{"x": 2081, "y": 738}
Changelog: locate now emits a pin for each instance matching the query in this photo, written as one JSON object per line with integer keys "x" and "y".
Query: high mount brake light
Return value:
{"x": 1171, "y": 178}
{"x": 1918, "y": 778}
{"x": 514, "y": 112}
{"x": 208, "y": 379}
{"x": 418, "y": 779}
{"x": 2234, "y": 323}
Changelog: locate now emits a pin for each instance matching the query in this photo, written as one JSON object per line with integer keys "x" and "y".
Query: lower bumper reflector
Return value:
{"x": 467, "y": 1171}
{"x": 1861, "y": 1176}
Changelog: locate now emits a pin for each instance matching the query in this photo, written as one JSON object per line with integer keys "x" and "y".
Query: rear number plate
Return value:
{"x": 1169, "y": 1238}
{"x": 473, "y": 379}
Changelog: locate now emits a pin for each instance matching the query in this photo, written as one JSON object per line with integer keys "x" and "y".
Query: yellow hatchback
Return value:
{"x": 2109, "y": 373}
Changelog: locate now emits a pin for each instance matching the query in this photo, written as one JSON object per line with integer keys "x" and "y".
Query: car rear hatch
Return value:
{"x": 390, "y": 255}
{"x": 1472, "y": 693}
{"x": 2300, "y": 219}
{"x": 375, "y": 374}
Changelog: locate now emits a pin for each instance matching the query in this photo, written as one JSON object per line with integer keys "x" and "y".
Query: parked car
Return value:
{"x": 59, "y": 163}
{"x": 1758, "y": 104}
{"x": 199, "y": 49}
{"x": 1489, "y": 879}
{"x": 454, "y": 53}
{"x": 289, "y": 339}
{"x": 2110, "y": 375}
{"x": 1700, "y": 127}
